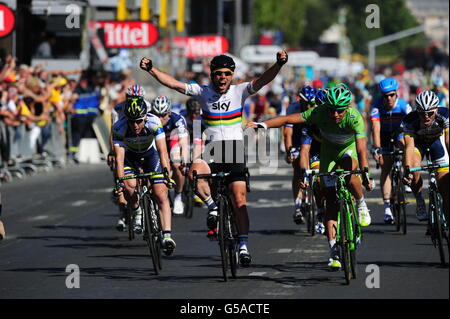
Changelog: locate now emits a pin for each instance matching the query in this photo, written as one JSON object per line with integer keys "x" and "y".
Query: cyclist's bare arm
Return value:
{"x": 288, "y": 137}
{"x": 304, "y": 155}
{"x": 376, "y": 133}
{"x": 120, "y": 160}
{"x": 361, "y": 149}
{"x": 279, "y": 121}
{"x": 163, "y": 155}
{"x": 184, "y": 149}
{"x": 446, "y": 139}
{"x": 162, "y": 77}
{"x": 409, "y": 150}
{"x": 270, "y": 73}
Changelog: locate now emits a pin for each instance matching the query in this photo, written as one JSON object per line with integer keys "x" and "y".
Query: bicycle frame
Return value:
{"x": 227, "y": 231}
{"x": 437, "y": 221}
{"x": 348, "y": 230}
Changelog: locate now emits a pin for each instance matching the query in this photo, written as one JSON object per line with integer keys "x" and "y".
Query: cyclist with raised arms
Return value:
{"x": 139, "y": 143}
{"x": 222, "y": 105}
{"x": 174, "y": 126}
{"x": 427, "y": 128}
{"x": 386, "y": 116}
{"x": 344, "y": 145}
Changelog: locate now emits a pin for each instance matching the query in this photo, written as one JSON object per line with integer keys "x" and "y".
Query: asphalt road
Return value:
{"x": 65, "y": 217}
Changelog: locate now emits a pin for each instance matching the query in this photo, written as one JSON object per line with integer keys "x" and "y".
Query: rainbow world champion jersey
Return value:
{"x": 222, "y": 113}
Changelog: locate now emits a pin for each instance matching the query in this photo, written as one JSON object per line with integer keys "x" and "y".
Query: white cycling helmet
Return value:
{"x": 161, "y": 105}
{"x": 427, "y": 101}
{"x": 135, "y": 90}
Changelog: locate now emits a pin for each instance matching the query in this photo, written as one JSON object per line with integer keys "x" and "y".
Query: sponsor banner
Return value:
{"x": 201, "y": 46}
{"x": 127, "y": 34}
{"x": 7, "y": 20}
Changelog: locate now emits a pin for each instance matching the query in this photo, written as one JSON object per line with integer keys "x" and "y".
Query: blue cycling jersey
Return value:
{"x": 390, "y": 120}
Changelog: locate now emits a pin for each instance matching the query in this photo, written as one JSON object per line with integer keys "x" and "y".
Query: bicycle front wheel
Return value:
{"x": 436, "y": 230}
{"x": 222, "y": 235}
{"x": 188, "y": 199}
{"x": 401, "y": 205}
{"x": 343, "y": 241}
{"x": 150, "y": 233}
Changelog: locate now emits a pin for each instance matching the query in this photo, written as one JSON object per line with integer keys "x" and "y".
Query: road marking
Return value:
{"x": 79, "y": 203}
{"x": 36, "y": 218}
{"x": 259, "y": 274}
{"x": 284, "y": 251}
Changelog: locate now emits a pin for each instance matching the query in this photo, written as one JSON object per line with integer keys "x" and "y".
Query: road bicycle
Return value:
{"x": 398, "y": 193}
{"x": 188, "y": 194}
{"x": 151, "y": 222}
{"x": 227, "y": 229}
{"x": 308, "y": 205}
{"x": 348, "y": 230}
{"x": 437, "y": 222}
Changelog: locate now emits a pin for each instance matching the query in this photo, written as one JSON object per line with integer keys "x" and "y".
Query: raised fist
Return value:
{"x": 146, "y": 64}
{"x": 282, "y": 58}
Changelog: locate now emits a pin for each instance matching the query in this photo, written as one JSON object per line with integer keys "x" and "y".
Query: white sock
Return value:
{"x": 332, "y": 243}
{"x": 177, "y": 196}
{"x": 361, "y": 202}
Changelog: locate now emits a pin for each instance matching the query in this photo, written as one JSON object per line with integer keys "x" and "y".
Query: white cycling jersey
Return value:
{"x": 222, "y": 113}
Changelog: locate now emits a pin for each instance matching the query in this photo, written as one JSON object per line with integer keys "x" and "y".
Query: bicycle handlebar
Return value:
{"x": 151, "y": 175}
{"x": 425, "y": 168}
{"x": 221, "y": 175}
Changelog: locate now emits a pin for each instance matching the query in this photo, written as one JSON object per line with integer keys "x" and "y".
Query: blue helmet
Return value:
{"x": 308, "y": 94}
{"x": 321, "y": 96}
{"x": 388, "y": 85}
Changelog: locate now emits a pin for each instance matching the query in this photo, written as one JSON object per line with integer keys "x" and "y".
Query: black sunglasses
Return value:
{"x": 138, "y": 121}
{"x": 227, "y": 73}
{"x": 389, "y": 95}
{"x": 338, "y": 111}
{"x": 427, "y": 113}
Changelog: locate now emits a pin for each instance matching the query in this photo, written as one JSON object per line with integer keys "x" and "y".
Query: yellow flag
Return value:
{"x": 180, "y": 16}
{"x": 145, "y": 10}
{"x": 122, "y": 10}
{"x": 163, "y": 13}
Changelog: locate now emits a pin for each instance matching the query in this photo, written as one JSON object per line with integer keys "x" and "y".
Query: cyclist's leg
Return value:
{"x": 386, "y": 186}
{"x": 238, "y": 190}
{"x": 319, "y": 196}
{"x": 439, "y": 155}
{"x": 239, "y": 199}
{"x": 349, "y": 161}
{"x": 416, "y": 185}
{"x": 442, "y": 181}
{"x": 297, "y": 194}
{"x": 178, "y": 176}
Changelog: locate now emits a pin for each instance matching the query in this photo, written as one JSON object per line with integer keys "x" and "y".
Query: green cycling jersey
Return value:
{"x": 338, "y": 139}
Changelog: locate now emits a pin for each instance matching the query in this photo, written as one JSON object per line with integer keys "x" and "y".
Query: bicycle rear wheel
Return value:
{"x": 149, "y": 233}
{"x": 222, "y": 236}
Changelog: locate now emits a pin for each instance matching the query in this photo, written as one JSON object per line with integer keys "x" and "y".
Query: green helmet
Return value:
{"x": 135, "y": 108}
{"x": 339, "y": 96}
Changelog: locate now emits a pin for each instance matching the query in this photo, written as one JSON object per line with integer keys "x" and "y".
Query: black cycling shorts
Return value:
{"x": 228, "y": 157}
